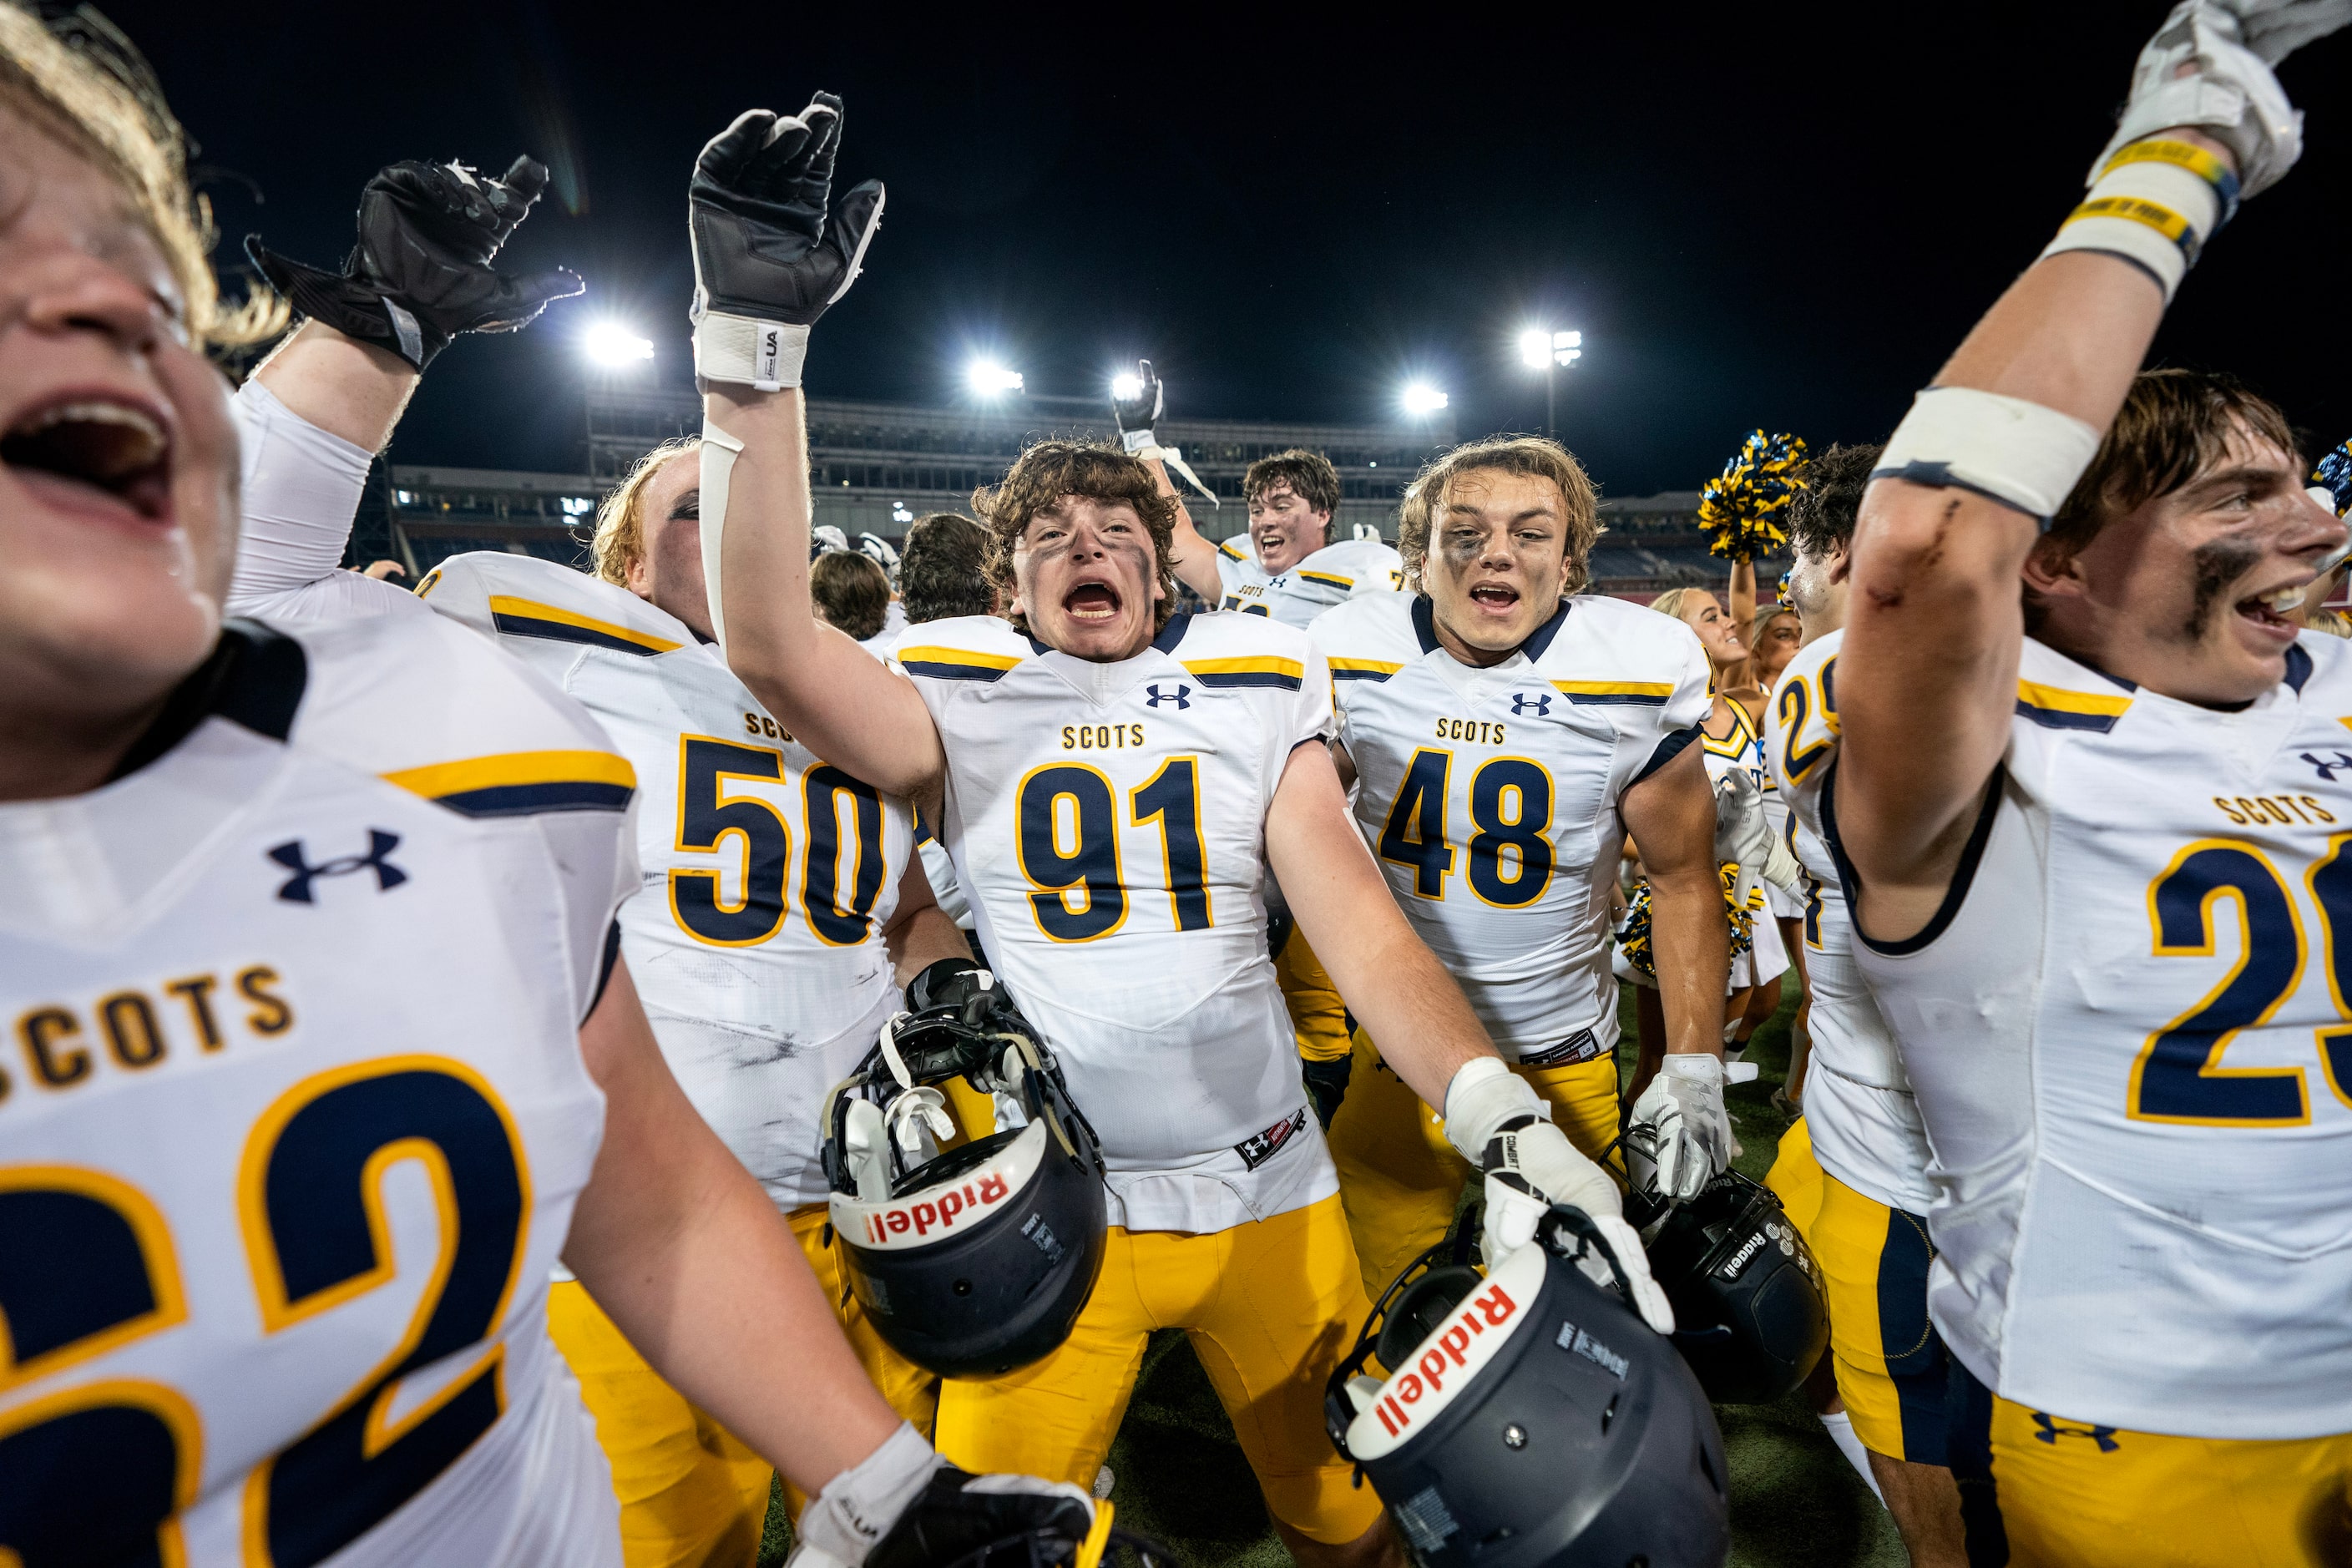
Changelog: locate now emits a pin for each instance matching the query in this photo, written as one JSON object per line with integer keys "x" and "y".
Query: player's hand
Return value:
{"x": 771, "y": 250}
{"x": 1741, "y": 833}
{"x": 1137, "y": 413}
{"x": 421, "y": 272}
{"x": 1572, "y": 1233}
{"x": 904, "y": 1507}
{"x": 2208, "y": 68}
{"x": 1688, "y": 1128}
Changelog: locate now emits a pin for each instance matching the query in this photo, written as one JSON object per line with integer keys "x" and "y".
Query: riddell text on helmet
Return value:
{"x": 936, "y": 1213}
{"x": 1442, "y": 1356}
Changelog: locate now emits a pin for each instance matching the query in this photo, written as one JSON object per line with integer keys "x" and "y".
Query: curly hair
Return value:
{"x": 1098, "y": 471}
{"x": 91, "y": 91}
{"x": 943, "y": 569}
{"x": 618, "y": 541}
{"x": 1821, "y": 513}
{"x": 1530, "y": 455}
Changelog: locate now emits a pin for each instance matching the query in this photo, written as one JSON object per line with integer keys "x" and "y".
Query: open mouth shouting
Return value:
{"x": 2268, "y": 612}
{"x": 1093, "y": 603}
{"x": 1496, "y": 598}
{"x": 96, "y": 453}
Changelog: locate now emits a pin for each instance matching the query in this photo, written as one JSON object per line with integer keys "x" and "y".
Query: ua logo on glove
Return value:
{"x": 1179, "y": 696}
{"x": 380, "y": 844}
{"x": 1539, "y": 704}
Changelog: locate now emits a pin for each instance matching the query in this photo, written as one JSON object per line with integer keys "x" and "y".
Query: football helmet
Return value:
{"x": 1530, "y": 1417}
{"x": 1751, "y": 1309}
{"x": 975, "y": 1260}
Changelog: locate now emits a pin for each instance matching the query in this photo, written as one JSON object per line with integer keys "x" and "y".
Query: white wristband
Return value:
{"x": 858, "y": 1507}
{"x": 2018, "y": 453}
{"x": 1481, "y": 1095}
{"x": 1136, "y": 441}
{"x": 763, "y": 356}
{"x": 719, "y": 452}
{"x": 2155, "y": 203}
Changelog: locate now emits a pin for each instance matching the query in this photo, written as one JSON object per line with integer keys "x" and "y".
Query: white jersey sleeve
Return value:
{"x": 302, "y": 490}
{"x": 300, "y": 1118}
{"x": 1490, "y": 797}
{"x": 757, "y": 937}
{"x": 1863, "y": 1117}
{"x": 1108, "y": 823}
{"x": 2124, "y": 1026}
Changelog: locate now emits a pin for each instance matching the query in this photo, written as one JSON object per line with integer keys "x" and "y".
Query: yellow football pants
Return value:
{"x": 2071, "y": 1494}
{"x": 1891, "y": 1365}
{"x": 1318, "y": 1017}
{"x": 1401, "y": 1181}
{"x": 1270, "y": 1307}
{"x": 691, "y": 1493}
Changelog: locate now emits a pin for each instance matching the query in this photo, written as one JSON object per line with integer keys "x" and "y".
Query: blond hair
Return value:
{"x": 1672, "y": 601}
{"x": 98, "y": 97}
{"x": 1530, "y": 455}
{"x": 619, "y": 540}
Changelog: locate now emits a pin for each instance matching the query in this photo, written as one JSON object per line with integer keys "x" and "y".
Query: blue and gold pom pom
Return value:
{"x": 2335, "y": 472}
{"x": 1741, "y": 510}
{"x": 1633, "y": 935}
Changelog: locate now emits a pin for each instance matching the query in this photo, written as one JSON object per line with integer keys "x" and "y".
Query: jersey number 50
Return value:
{"x": 707, "y": 818}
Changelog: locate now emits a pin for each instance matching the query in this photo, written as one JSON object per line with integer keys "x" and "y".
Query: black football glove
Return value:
{"x": 1136, "y": 416}
{"x": 767, "y": 259}
{"x": 421, "y": 272}
{"x": 958, "y": 1513}
{"x": 1326, "y": 1085}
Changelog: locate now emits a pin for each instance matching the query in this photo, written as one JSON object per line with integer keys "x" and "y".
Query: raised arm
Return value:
{"x": 326, "y": 400}
{"x": 767, "y": 264}
{"x": 1927, "y": 683}
{"x": 1136, "y": 401}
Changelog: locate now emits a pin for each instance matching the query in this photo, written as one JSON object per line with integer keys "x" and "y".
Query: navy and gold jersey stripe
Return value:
{"x": 530, "y": 619}
{"x": 522, "y": 783}
{"x": 1364, "y": 669}
{"x": 1225, "y": 548}
{"x": 2055, "y": 708}
{"x": 1616, "y": 693}
{"x": 1345, "y": 584}
{"x": 1266, "y": 670}
{"x": 956, "y": 663}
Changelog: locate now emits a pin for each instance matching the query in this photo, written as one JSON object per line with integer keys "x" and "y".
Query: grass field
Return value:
{"x": 1182, "y": 1479}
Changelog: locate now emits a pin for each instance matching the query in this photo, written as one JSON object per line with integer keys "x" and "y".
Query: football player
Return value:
{"x": 783, "y": 907}
{"x": 1502, "y": 731}
{"x": 2094, "y": 839}
{"x": 325, "y": 1054}
{"x": 1112, "y": 780}
{"x": 1288, "y": 565}
{"x": 1861, "y": 1135}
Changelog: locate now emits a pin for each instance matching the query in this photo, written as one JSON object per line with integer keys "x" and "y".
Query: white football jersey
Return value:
{"x": 1107, "y": 823}
{"x": 756, "y": 940}
{"x": 1329, "y": 576}
{"x": 1489, "y": 796}
{"x": 2127, "y": 1026}
{"x": 1859, "y": 1106}
{"x": 296, "y": 1116}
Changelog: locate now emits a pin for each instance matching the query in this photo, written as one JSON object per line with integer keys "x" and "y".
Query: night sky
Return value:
{"x": 1787, "y": 222}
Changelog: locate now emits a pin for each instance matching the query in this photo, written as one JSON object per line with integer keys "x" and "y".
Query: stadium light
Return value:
{"x": 1540, "y": 348}
{"x": 990, "y": 379}
{"x": 1421, "y": 399}
{"x": 1127, "y": 384}
{"x": 615, "y": 347}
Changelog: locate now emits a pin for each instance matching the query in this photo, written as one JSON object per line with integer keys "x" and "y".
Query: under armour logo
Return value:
{"x": 297, "y": 889}
{"x": 2327, "y": 770}
{"x": 1539, "y": 704}
{"x": 2105, "y": 1436}
{"x": 1182, "y": 692}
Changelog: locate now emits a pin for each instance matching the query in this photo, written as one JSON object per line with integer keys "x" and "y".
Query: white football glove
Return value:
{"x": 2230, "y": 94}
{"x": 1495, "y": 1120}
{"x": 1688, "y": 1130}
